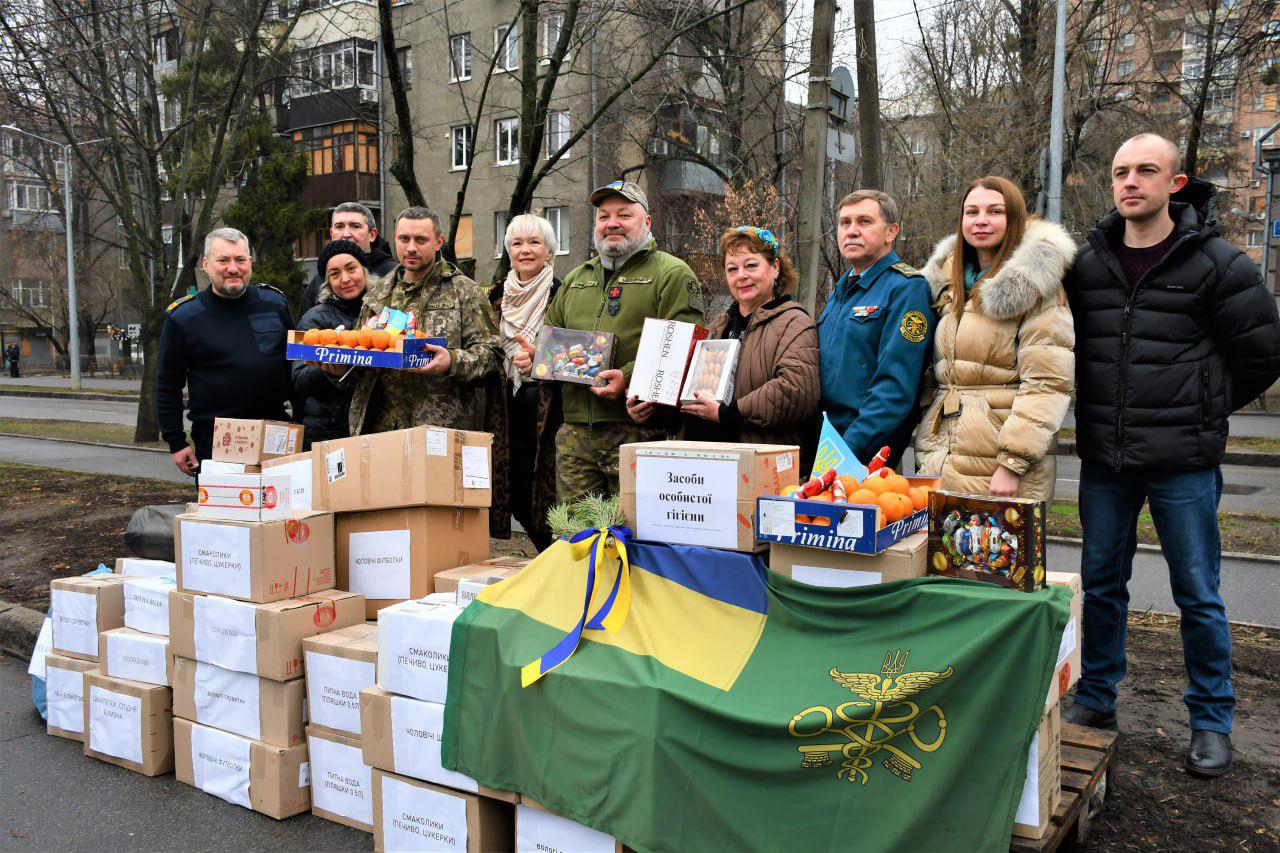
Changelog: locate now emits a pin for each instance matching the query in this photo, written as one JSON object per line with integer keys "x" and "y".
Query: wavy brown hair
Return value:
{"x": 1015, "y": 214}
{"x": 733, "y": 240}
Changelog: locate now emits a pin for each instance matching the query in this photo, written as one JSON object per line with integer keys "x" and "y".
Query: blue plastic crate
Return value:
{"x": 409, "y": 352}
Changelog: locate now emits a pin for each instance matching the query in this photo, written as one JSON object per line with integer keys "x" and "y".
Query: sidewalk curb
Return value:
{"x": 19, "y": 628}
{"x": 88, "y": 443}
{"x": 1155, "y": 549}
{"x": 72, "y": 395}
{"x": 1247, "y": 458}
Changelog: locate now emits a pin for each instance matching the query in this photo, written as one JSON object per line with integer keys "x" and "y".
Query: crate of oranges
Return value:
{"x": 391, "y": 348}
{"x": 841, "y": 513}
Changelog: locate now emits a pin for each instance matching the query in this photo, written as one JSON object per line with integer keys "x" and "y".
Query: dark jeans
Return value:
{"x": 202, "y": 439}
{"x": 1184, "y": 508}
{"x": 522, "y": 430}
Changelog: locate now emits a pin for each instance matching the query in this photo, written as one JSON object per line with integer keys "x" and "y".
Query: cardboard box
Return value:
{"x": 500, "y": 567}
{"x": 135, "y": 656}
{"x": 413, "y": 815}
{"x": 298, "y": 467}
{"x": 539, "y": 830}
{"x": 260, "y": 639}
{"x": 466, "y": 582}
{"x": 907, "y": 558}
{"x": 64, "y": 694}
{"x": 250, "y": 441}
{"x": 570, "y": 355}
{"x": 215, "y": 466}
{"x": 662, "y": 358}
{"x": 409, "y": 467}
{"x": 702, "y": 492}
{"x": 392, "y": 555}
{"x": 984, "y": 538}
{"x": 1042, "y": 789}
{"x": 128, "y": 724}
{"x": 407, "y": 352}
{"x": 136, "y": 567}
{"x": 255, "y": 561}
{"x": 413, "y": 647}
{"x": 243, "y": 704}
{"x": 146, "y": 603}
{"x": 339, "y": 665}
{"x": 81, "y": 609}
{"x": 1070, "y": 648}
{"x": 271, "y": 780}
{"x": 845, "y": 527}
{"x": 341, "y": 787}
{"x": 244, "y": 497}
{"x": 712, "y": 370}
{"x": 402, "y": 735}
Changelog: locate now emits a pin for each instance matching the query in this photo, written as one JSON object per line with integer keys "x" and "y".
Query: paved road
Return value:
{"x": 56, "y": 799}
{"x": 1252, "y": 424}
{"x": 91, "y": 459}
{"x": 61, "y": 409}
{"x": 64, "y": 383}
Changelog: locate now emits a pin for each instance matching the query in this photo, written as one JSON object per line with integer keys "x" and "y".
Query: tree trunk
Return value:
{"x": 864, "y": 14}
{"x": 146, "y": 429}
{"x": 401, "y": 168}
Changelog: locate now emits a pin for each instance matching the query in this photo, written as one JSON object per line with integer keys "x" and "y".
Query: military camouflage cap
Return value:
{"x": 626, "y": 189}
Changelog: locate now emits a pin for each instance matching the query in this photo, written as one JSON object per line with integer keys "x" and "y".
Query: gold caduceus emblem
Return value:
{"x": 886, "y": 721}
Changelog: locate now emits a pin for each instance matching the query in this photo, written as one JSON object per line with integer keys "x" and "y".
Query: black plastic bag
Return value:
{"x": 150, "y": 531}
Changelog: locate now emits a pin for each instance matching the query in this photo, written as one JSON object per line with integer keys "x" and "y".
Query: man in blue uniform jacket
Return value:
{"x": 226, "y": 345}
{"x": 876, "y": 332}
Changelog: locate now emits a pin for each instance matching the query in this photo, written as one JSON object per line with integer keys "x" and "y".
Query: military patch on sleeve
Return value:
{"x": 695, "y": 293}
{"x": 914, "y": 326}
{"x": 906, "y": 269}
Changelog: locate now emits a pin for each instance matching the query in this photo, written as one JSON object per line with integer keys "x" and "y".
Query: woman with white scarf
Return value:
{"x": 533, "y": 407}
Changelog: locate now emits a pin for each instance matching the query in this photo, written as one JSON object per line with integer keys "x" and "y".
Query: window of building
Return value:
{"x": 1192, "y": 40}
{"x": 332, "y": 67}
{"x": 1122, "y": 10}
{"x": 552, "y": 26}
{"x": 1127, "y": 41}
{"x": 559, "y": 219}
{"x": 557, "y": 131}
{"x": 460, "y": 144}
{"x": 30, "y": 292}
{"x": 1258, "y": 204}
{"x": 404, "y": 56}
{"x": 344, "y": 147}
{"x": 29, "y": 196}
{"x": 460, "y": 57}
{"x": 1167, "y": 69}
{"x": 506, "y": 46}
{"x": 1192, "y": 69}
{"x": 1124, "y": 68}
{"x": 500, "y": 220}
{"x": 657, "y": 147}
{"x": 166, "y": 48}
{"x": 166, "y": 234}
{"x": 463, "y": 241}
{"x": 1255, "y": 240}
{"x": 1218, "y": 100}
{"x": 507, "y": 141}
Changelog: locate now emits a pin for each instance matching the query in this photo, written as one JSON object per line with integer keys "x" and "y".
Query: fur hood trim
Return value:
{"x": 1030, "y": 275}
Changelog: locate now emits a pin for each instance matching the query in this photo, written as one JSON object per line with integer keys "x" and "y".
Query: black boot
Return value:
{"x": 1209, "y": 755}
{"x": 1079, "y": 715}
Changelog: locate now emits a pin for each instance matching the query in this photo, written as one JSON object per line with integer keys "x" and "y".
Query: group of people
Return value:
{"x": 1159, "y": 327}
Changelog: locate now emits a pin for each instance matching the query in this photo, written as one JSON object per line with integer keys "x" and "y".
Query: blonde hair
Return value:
{"x": 531, "y": 225}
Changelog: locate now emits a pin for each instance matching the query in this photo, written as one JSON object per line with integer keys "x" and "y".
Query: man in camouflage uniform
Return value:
{"x": 447, "y": 304}
{"x": 627, "y": 281}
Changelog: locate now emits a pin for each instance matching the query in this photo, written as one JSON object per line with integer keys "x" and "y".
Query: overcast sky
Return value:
{"x": 895, "y": 29}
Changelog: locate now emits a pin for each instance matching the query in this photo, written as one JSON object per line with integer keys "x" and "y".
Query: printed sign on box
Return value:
{"x": 662, "y": 357}
{"x": 689, "y": 501}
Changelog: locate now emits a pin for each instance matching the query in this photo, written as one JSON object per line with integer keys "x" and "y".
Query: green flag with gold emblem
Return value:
{"x": 686, "y": 699}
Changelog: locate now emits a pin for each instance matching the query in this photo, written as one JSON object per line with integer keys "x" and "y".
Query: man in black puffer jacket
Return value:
{"x": 322, "y": 392}
{"x": 1174, "y": 332}
{"x": 352, "y": 221}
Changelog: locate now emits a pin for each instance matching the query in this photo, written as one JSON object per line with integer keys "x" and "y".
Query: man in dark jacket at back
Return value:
{"x": 1174, "y": 332}
{"x": 351, "y": 221}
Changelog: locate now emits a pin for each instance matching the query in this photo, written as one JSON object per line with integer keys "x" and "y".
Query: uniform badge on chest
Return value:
{"x": 615, "y": 300}
{"x": 862, "y": 312}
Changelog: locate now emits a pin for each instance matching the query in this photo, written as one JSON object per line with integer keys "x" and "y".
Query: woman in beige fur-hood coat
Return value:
{"x": 1003, "y": 366}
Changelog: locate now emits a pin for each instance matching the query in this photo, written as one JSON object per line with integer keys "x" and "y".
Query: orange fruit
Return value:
{"x": 896, "y": 507}
{"x": 864, "y": 496}
{"x": 876, "y": 484}
{"x": 787, "y": 491}
{"x": 919, "y": 496}
{"x": 849, "y": 482}
{"x": 311, "y": 337}
{"x": 380, "y": 340}
{"x": 366, "y": 337}
{"x": 348, "y": 338}
{"x": 897, "y": 483}
{"x": 820, "y": 521}
{"x": 803, "y": 519}
{"x": 328, "y": 337}
{"x": 823, "y": 496}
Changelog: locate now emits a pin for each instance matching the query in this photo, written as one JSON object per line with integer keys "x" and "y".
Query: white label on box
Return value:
{"x": 784, "y": 462}
{"x": 415, "y": 818}
{"x": 146, "y": 604}
{"x": 468, "y": 590}
{"x": 44, "y": 645}
{"x": 276, "y": 440}
{"x": 115, "y": 724}
{"x": 542, "y": 832}
{"x": 342, "y": 782}
{"x": 217, "y": 466}
{"x": 379, "y": 565}
{"x": 689, "y": 501}
{"x": 136, "y": 567}
{"x": 777, "y": 518}
{"x": 226, "y": 633}
{"x": 1068, "y": 642}
{"x": 333, "y": 690}
{"x": 220, "y": 764}
{"x": 1028, "y": 813}
{"x": 335, "y": 464}
{"x": 413, "y": 648}
{"x": 850, "y": 525}
{"x": 416, "y": 730}
{"x": 437, "y": 442}
{"x": 75, "y": 621}
{"x": 138, "y": 657}
{"x": 300, "y": 482}
{"x": 475, "y": 467}
{"x": 64, "y": 692}
{"x": 835, "y": 578}
{"x": 216, "y": 558}
{"x": 304, "y": 774}
{"x": 228, "y": 700}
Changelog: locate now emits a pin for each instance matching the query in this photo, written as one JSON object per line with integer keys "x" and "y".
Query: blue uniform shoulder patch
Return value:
{"x": 274, "y": 289}
{"x": 180, "y": 300}
{"x": 906, "y": 269}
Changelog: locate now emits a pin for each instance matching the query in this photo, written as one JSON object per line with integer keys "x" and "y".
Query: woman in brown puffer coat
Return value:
{"x": 776, "y": 384}
{"x": 1003, "y": 361}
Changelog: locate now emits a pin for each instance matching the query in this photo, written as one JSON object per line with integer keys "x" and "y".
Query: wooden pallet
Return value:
{"x": 1087, "y": 759}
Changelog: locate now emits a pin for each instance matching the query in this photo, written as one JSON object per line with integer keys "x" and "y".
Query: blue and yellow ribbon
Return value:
{"x": 598, "y": 545}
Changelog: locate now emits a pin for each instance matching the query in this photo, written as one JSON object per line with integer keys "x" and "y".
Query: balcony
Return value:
{"x": 689, "y": 177}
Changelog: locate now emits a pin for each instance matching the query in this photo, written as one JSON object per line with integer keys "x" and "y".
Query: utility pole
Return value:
{"x": 864, "y": 25}
{"x": 813, "y": 152}
{"x": 1057, "y": 111}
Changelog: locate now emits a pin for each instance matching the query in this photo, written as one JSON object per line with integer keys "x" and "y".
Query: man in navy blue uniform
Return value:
{"x": 875, "y": 332}
{"x": 226, "y": 345}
